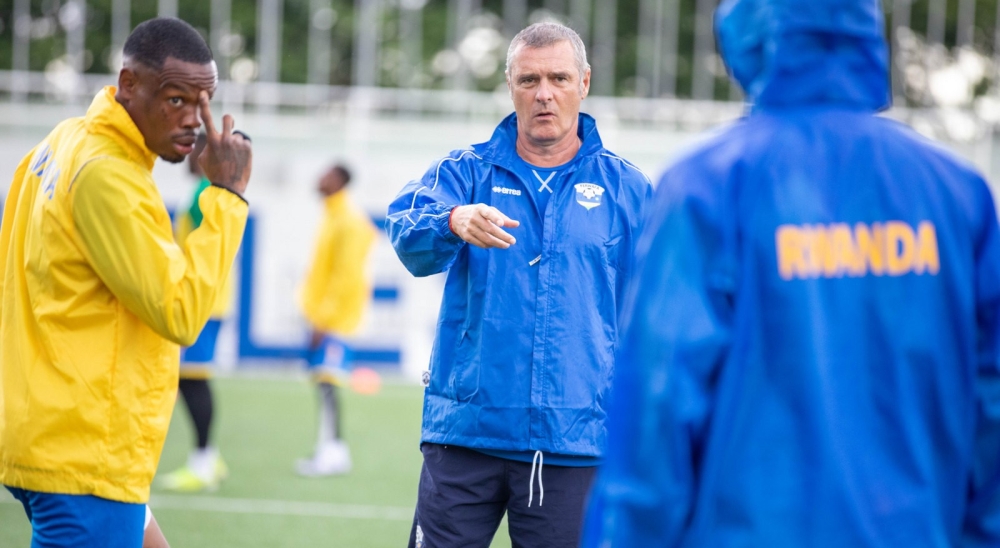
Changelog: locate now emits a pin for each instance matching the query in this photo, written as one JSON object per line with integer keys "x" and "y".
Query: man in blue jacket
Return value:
{"x": 536, "y": 229}
{"x": 812, "y": 350}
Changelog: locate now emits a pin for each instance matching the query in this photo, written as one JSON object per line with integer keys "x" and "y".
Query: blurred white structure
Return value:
{"x": 390, "y": 135}
{"x": 291, "y": 151}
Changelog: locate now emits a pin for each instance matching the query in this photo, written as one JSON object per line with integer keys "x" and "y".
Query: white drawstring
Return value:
{"x": 538, "y": 459}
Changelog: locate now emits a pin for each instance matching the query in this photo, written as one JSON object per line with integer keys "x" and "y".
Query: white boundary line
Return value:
{"x": 269, "y": 507}
{"x": 280, "y": 508}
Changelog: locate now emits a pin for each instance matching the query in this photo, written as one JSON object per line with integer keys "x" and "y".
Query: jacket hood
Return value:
{"x": 806, "y": 52}
{"x": 501, "y": 149}
{"x": 107, "y": 116}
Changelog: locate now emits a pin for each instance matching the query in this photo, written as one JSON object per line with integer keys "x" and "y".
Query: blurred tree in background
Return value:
{"x": 415, "y": 48}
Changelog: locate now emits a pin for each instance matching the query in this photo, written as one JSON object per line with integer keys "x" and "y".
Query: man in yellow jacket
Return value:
{"x": 96, "y": 297}
{"x": 334, "y": 299}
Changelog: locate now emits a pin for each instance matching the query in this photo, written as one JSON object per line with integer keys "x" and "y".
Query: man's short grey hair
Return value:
{"x": 541, "y": 35}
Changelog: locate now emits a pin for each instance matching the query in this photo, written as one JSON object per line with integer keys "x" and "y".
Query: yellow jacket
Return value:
{"x": 187, "y": 221}
{"x": 337, "y": 289}
{"x": 94, "y": 299}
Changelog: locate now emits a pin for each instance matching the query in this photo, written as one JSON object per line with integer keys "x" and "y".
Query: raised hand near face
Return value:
{"x": 227, "y": 158}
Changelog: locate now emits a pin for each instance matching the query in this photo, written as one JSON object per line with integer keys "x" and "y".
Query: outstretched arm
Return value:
{"x": 433, "y": 218}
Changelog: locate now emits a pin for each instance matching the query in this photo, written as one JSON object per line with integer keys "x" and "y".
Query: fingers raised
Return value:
{"x": 206, "y": 115}
{"x": 227, "y": 125}
{"x": 227, "y": 158}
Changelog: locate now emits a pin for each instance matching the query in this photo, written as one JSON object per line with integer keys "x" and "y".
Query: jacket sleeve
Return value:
{"x": 127, "y": 239}
{"x": 676, "y": 334}
{"x": 7, "y": 222}
{"x": 982, "y": 522}
{"x": 417, "y": 222}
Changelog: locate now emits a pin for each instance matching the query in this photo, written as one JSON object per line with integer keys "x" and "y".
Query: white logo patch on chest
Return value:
{"x": 588, "y": 195}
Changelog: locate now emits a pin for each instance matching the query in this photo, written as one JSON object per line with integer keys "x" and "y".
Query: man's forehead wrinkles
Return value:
{"x": 180, "y": 73}
{"x": 183, "y": 79}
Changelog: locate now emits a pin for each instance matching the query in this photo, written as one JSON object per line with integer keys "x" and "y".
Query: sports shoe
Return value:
{"x": 331, "y": 459}
{"x": 204, "y": 471}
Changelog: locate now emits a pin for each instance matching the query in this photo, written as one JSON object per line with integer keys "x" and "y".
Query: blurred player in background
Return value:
{"x": 334, "y": 298}
{"x": 525, "y": 343}
{"x": 205, "y": 468}
{"x": 813, "y": 349}
{"x": 96, "y": 295}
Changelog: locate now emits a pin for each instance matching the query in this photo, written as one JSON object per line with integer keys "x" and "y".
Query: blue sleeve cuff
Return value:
{"x": 443, "y": 228}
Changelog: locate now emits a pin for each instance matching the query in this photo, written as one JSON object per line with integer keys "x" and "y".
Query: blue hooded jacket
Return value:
{"x": 810, "y": 342}
{"x": 526, "y": 336}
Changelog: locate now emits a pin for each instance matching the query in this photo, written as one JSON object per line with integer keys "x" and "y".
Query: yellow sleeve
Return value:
{"x": 9, "y": 206}
{"x": 127, "y": 238}
{"x": 183, "y": 227}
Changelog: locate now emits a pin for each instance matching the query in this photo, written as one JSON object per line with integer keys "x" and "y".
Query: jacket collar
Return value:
{"x": 336, "y": 202}
{"x": 106, "y": 116}
{"x": 501, "y": 149}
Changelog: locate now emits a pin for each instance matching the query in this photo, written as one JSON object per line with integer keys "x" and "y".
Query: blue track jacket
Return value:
{"x": 526, "y": 336}
{"x": 810, "y": 346}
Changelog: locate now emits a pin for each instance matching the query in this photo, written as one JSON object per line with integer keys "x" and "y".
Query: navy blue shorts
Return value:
{"x": 81, "y": 521}
{"x": 463, "y": 495}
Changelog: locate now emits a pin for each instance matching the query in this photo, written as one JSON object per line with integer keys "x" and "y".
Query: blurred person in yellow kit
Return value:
{"x": 205, "y": 468}
{"x": 96, "y": 295}
{"x": 334, "y": 298}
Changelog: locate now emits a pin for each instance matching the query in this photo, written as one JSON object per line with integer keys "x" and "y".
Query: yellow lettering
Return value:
{"x": 791, "y": 242}
{"x": 845, "y": 253}
{"x": 927, "y": 250}
{"x": 893, "y": 248}
{"x": 900, "y": 247}
{"x": 871, "y": 246}
{"x": 820, "y": 259}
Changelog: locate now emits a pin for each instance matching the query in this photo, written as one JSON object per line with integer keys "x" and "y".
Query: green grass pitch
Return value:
{"x": 262, "y": 426}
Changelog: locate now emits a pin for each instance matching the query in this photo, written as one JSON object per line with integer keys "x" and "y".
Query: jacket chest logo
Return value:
{"x": 507, "y": 191}
{"x": 588, "y": 195}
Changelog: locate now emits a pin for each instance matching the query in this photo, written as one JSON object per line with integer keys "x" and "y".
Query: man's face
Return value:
{"x": 546, "y": 86}
{"x": 164, "y": 103}
{"x": 330, "y": 183}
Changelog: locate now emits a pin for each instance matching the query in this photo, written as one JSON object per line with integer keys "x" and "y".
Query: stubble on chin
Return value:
{"x": 173, "y": 159}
